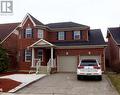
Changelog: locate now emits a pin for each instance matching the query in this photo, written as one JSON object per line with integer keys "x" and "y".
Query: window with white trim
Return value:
{"x": 61, "y": 35}
{"x": 77, "y": 35}
{"x": 40, "y": 54}
{"x": 28, "y": 32}
{"x": 40, "y": 33}
{"x": 28, "y": 56}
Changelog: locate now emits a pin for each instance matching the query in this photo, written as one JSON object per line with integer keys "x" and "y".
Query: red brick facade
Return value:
{"x": 23, "y": 43}
{"x": 78, "y": 52}
{"x": 114, "y": 56}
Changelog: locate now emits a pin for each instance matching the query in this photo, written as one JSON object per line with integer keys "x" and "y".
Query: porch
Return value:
{"x": 43, "y": 56}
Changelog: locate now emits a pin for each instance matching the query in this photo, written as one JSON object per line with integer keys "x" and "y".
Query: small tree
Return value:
{"x": 4, "y": 60}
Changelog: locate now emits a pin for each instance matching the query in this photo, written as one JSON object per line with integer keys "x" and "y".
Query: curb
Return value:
{"x": 110, "y": 83}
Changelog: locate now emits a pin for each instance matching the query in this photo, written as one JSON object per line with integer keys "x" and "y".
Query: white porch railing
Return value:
{"x": 50, "y": 65}
{"x": 35, "y": 62}
{"x": 37, "y": 65}
{"x": 54, "y": 62}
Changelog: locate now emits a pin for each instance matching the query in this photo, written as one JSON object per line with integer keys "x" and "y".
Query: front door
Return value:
{"x": 40, "y": 54}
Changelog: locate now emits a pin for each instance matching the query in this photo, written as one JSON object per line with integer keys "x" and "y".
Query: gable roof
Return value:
{"x": 115, "y": 32}
{"x": 6, "y": 29}
{"x": 33, "y": 20}
{"x": 41, "y": 43}
{"x": 65, "y": 25}
{"x": 95, "y": 38}
{"x": 37, "y": 22}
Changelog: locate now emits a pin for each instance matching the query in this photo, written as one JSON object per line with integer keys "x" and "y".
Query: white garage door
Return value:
{"x": 67, "y": 63}
{"x": 91, "y": 57}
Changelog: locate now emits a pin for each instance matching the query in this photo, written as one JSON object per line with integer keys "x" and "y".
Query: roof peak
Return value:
{"x": 36, "y": 21}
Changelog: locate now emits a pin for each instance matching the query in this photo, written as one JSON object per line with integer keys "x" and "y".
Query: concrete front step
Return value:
{"x": 42, "y": 70}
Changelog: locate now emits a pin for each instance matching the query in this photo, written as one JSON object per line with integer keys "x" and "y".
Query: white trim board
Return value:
{"x": 40, "y": 41}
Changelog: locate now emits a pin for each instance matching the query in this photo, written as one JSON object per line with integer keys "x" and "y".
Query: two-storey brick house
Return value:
{"x": 62, "y": 45}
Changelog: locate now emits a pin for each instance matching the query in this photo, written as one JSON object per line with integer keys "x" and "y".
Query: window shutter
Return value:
{"x": 32, "y": 34}
{"x": 81, "y": 35}
{"x": 23, "y": 55}
{"x": 65, "y": 35}
{"x": 24, "y": 33}
{"x": 57, "y": 35}
{"x": 72, "y": 34}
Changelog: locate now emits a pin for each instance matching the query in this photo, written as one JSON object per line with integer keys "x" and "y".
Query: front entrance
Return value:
{"x": 41, "y": 46}
{"x": 67, "y": 63}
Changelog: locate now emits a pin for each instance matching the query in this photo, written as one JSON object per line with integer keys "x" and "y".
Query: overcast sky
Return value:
{"x": 94, "y": 13}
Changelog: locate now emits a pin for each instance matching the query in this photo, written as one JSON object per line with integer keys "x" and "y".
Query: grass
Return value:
{"x": 115, "y": 79}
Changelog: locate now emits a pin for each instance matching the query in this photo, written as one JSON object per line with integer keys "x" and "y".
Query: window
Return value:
{"x": 76, "y": 35}
{"x": 40, "y": 54}
{"x": 27, "y": 55}
{"x": 61, "y": 35}
{"x": 40, "y": 34}
{"x": 88, "y": 63}
{"x": 28, "y": 33}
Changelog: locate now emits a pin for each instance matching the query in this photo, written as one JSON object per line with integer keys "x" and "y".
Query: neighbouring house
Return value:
{"x": 59, "y": 45}
{"x": 8, "y": 39}
{"x": 107, "y": 56}
{"x": 113, "y": 35}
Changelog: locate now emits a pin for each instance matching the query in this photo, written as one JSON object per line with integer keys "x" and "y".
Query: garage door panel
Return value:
{"x": 67, "y": 64}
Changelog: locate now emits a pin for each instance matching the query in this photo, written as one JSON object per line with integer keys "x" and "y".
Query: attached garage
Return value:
{"x": 91, "y": 57}
{"x": 67, "y": 63}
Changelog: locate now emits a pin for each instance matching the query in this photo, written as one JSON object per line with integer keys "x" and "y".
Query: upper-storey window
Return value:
{"x": 61, "y": 35}
{"x": 40, "y": 33}
{"x": 28, "y": 32}
{"x": 77, "y": 35}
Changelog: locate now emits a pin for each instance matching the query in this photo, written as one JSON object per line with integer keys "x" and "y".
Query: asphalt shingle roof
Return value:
{"x": 65, "y": 25}
{"x": 6, "y": 29}
{"x": 95, "y": 38}
{"x": 115, "y": 33}
{"x": 37, "y": 22}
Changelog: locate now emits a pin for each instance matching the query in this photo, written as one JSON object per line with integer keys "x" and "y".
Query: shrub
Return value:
{"x": 4, "y": 60}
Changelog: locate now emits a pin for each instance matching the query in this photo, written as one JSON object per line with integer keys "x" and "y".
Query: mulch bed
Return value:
{"x": 8, "y": 84}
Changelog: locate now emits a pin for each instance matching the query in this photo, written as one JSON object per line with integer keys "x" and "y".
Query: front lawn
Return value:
{"x": 115, "y": 79}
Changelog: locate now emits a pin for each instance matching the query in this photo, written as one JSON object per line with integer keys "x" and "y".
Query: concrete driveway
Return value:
{"x": 67, "y": 84}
